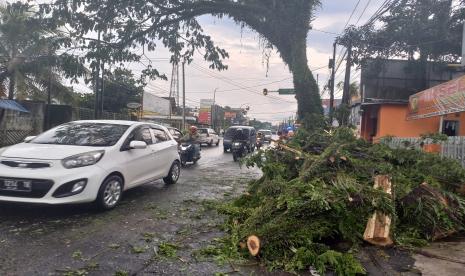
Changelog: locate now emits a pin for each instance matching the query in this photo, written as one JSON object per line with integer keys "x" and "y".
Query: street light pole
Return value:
{"x": 214, "y": 109}
{"x": 183, "y": 97}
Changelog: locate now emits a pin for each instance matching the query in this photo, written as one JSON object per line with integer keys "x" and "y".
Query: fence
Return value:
{"x": 15, "y": 126}
{"x": 10, "y": 137}
{"x": 453, "y": 148}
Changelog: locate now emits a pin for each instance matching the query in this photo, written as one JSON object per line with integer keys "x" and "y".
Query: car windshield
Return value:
{"x": 83, "y": 134}
{"x": 203, "y": 131}
{"x": 232, "y": 133}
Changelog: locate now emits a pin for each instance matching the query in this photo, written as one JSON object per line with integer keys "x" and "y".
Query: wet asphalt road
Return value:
{"x": 132, "y": 239}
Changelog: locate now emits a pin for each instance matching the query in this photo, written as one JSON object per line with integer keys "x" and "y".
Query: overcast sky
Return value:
{"x": 246, "y": 68}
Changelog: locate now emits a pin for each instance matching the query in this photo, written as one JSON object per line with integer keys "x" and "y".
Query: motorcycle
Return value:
{"x": 259, "y": 143}
{"x": 187, "y": 154}
{"x": 239, "y": 150}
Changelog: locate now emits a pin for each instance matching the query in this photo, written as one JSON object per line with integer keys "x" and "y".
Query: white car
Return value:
{"x": 208, "y": 136}
{"x": 87, "y": 161}
{"x": 267, "y": 135}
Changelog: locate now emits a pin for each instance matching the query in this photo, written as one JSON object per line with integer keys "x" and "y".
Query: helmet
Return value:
{"x": 193, "y": 129}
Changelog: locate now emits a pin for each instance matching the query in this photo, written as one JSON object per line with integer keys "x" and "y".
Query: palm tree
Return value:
{"x": 29, "y": 61}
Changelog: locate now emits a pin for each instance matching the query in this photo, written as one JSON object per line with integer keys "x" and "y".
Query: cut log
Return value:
{"x": 378, "y": 227}
{"x": 253, "y": 244}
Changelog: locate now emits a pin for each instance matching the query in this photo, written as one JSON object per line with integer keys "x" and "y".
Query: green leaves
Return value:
{"x": 312, "y": 213}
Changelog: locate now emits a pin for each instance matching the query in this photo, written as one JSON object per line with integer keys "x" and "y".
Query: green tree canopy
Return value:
{"x": 421, "y": 30}
{"x": 141, "y": 24}
{"x": 120, "y": 89}
{"x": 29, "y": 59}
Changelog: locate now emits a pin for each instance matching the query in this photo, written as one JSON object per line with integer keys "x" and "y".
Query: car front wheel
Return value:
{"x": 174, "y": 173}
{"x": 110, "y": 192}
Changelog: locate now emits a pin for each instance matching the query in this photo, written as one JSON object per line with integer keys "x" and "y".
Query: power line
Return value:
{"x": 326, "y": 32}
{"x": 386, "y": 5}
{"x": 363, "y": 12}
{"x": 351, "y": 15}
{"x": 267, "y": 113}
{"x": 217, "y": 76}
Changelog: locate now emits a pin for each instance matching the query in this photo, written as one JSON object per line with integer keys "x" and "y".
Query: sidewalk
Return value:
{"x": 446, "y": 258}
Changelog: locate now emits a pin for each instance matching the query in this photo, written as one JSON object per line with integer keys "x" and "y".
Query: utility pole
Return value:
{"x": 214, "y": 109}
{"x": 331, "y": 90}
{"x": 49, "y": 88}
{"x": 346, "y": 92}
{"x": 183, "y": 97}
{"x": 97, "y": 82}
{"x": 102, "y": 89}
{"x": 463, "y": 45}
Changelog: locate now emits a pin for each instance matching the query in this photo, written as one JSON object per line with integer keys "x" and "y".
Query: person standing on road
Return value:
{"x": 193, "y": 137}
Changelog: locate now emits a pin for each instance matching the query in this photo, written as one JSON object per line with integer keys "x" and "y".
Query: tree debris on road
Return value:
{"x": 312, "y": 211}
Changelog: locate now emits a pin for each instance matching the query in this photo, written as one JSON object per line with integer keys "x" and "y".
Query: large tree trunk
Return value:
{"x": 306, "y": 88}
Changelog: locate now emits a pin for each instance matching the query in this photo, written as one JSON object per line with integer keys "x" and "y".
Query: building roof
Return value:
{"x": 12, "y": 105}
{"x": 395, "y": 80}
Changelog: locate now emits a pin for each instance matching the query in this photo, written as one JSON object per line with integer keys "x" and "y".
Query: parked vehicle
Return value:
{"x": 231, "y": 132}
{"x": 239, "y": 150}
{"x": 88, "y": 161}
{"x": 266, "y": 135}
{"x": 187, "y": 153}
{"x": 208, "y": 136}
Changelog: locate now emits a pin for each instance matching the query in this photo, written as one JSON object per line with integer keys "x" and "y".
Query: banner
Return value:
{"x": 439, "y": 100}
{"x": 205, "y": 112}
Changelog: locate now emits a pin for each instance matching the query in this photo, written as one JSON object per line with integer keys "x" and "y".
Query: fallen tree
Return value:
{"x": 312, "y": 211}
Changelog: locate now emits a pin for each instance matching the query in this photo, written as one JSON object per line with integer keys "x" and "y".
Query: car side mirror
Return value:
{"x": 137, "y": 145}
{"x": 29, "y": 139}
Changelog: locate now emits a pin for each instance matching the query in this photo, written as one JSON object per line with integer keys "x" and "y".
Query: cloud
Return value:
{"x": 246, "y": 66}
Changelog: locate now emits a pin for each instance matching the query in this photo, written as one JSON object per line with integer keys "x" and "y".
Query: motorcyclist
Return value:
{"x": 192, "y": 137}
{"x": 260, "y": 139}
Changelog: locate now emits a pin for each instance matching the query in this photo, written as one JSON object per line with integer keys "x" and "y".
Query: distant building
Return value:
{"x": 386, "y": 86}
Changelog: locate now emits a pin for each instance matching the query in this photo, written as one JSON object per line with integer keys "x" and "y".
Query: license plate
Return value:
{"x": 15, "y": 185}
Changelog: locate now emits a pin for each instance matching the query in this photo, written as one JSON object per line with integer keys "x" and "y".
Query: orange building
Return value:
{"x": 387, "y": 86}
{"x": 388, "y": 119}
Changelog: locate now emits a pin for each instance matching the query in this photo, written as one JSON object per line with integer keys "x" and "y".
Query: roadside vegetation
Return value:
{"x": 311, "y": 209}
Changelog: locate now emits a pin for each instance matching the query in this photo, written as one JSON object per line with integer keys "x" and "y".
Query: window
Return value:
{"x": 83, "y": 134}
{"x": 450, "y": 128}
{"x": 176, "y": 134}
{"x": 139, "y": 134}
{"x": 144, "y": 135}
{"x": 160, "y": 135}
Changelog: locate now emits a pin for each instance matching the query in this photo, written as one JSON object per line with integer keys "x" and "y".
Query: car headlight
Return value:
{"x": 83, "y": 159}
{"x": 237, "y": 144}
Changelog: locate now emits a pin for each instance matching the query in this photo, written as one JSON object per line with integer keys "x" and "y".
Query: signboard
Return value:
{"x": 439, "y": 100}
{"x": 287, "y": 91}
{"x": 154, "y": 105}
{"x": 205, "y": 112}
{"x": 133, "y": 105}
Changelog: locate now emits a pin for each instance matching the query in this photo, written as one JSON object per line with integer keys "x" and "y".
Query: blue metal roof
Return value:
{"x": 12, "y": 105}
